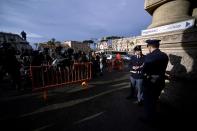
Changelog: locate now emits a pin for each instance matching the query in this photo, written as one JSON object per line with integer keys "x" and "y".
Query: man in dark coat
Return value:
{"x": 154, "y": 77}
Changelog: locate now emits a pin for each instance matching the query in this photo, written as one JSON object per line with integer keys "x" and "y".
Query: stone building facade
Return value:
{"x": 103, "y": 45}
{"x": 124, "y": 44}
{"x": 178, "y": 43}
{"x": 170, "y": 11}
{"x": 77, "y": 46}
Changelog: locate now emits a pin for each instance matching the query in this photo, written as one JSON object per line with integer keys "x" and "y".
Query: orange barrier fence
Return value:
{"x": 115, "y": 64}
{"x": 47, "y": 76}
{"x": 118, "y": 64}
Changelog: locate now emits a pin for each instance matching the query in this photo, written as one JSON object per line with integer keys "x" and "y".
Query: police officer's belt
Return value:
{"x": 153, "y": 76}
{"x": 136, "y": 72}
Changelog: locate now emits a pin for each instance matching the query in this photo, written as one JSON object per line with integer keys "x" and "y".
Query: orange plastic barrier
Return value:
{"x": 47, "y": 76}
{"x": 118, "y": 64}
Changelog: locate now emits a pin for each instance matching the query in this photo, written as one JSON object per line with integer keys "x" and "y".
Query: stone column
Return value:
{"x": 168, "y": 12}
{"x": 194, "y": 14}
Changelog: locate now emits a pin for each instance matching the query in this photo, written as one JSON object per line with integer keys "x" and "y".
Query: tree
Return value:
{"x": 102, "y": 40}
{"x": 41, "y": 46}
{"x": 36, "y": 45}
{"x": 51, "y": 43}
{"x": 57, "y": 43}
{"x": 88, "y": 41}
{"x": 53, "y": 40}
{"x": 113, "y": 37}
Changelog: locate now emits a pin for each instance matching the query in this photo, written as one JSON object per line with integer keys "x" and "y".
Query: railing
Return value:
{"x": 46, "y": 77}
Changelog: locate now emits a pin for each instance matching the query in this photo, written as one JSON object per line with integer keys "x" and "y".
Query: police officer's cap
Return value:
{"x": 137, "y": 48}
{"x": 154, "y": 42}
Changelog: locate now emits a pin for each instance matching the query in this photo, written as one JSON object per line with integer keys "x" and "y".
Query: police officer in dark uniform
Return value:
{"x": 154, "y": 77}
{"x": 135, "y": 66}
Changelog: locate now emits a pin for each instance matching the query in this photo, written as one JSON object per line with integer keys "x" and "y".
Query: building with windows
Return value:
{"x": 121, "y": 44}
{"x": 77, "y": 46}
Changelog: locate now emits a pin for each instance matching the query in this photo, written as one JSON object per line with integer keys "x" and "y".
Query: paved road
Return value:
{"x": 102, "y": 107}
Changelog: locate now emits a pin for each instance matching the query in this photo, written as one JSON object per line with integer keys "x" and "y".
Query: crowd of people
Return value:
{"x": 15, "y": 64}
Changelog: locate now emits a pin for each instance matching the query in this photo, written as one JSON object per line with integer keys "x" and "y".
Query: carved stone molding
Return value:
{"x": 171, "y": 37}
{"x": 150, "y": 5}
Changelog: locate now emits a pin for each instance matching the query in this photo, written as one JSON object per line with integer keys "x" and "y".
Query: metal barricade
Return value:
{"x": 118, "y": 64}
{"x": 46, "y": 77}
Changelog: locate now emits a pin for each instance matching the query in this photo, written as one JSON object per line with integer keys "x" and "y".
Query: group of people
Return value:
{"x": 99, "y": 63}
{"x": 148, "y": 77}
{"x": 15, "y": 64}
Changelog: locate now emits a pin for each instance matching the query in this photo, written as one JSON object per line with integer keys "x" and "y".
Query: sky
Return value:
{"x": 73, "y": 19}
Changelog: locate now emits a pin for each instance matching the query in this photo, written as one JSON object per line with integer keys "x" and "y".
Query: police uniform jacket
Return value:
{"x": 155, "y": 63}
{"x": 136, "y": 61}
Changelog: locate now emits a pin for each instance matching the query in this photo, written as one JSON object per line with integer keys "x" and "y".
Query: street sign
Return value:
{"x": 172, "y": 27}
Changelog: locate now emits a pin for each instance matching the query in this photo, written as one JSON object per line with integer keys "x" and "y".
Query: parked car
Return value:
{"x": 126, "y": 57}
{"x": 109, "y": 56}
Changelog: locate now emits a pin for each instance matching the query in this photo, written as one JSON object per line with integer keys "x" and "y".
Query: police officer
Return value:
{"x": 136, "y": 65}
{"x": 154, "y": 77}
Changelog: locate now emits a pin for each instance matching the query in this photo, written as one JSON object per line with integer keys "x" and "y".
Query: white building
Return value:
{"x": 77, "y": 45}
